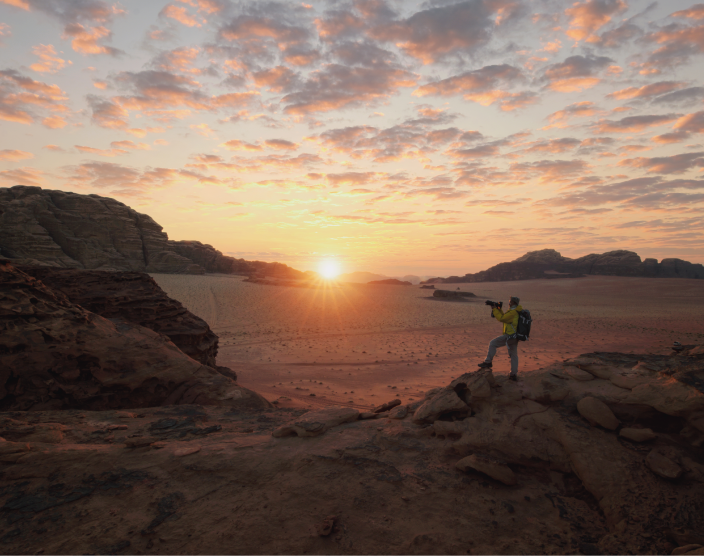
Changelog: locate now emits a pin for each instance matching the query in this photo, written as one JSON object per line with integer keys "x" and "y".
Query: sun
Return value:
{"x": 329, "y": 269}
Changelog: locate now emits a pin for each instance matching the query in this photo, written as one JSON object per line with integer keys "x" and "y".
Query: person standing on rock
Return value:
{"x": 508, "y": 338}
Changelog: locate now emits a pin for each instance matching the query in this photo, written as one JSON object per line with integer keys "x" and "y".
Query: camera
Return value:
{"x": 494, "y": 304}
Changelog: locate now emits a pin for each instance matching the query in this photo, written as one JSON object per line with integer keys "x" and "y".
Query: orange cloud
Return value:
{"x": 180, "y": 14}
{"x": 588, "y": 17}
{"x": 25, "y": 176}
{"x": 675, "y": 137}
{"x": 49, "y": 62}
{"x": 654, "y": 89}
{"x": 54, "y": 122}
{"x": 277, "y": 79}
{"x": 576, "y": 110}
{"x": 633, "y": 124}
{"x": 692, "y": 123}
{"x": 16, "y": 3}
{"x": 5, "y": 31}
{"x": 695, "y": 12}
{"x": 130, "y": 145}
{"x": 237, "y": 145}
{"x": 676, "y": 164}
{"x": 100, "y": 152}
{"x": 54, "y": 148}
{"x": 22, "y": 99}
{"x": 106, "y": 113}
{"x": 85, "y": 40}
{"x": 575, "y": 73}
{"x": 7, "y": 154}
{"x": 281, "y": 144}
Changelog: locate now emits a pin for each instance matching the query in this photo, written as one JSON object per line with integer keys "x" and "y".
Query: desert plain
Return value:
{"x": 359, "y": 345}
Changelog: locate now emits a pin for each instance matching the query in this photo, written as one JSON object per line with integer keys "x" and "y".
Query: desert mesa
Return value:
{"x": 160, "y": 397}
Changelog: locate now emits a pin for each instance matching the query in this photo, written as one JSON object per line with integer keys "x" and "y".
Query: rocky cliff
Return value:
{"x": 136, "y": 298}
{"x": 58, "y": 355}
{"x": 67, "y": 230}
{"x": 56, "y": 228}
{"x": 548, "y": 263}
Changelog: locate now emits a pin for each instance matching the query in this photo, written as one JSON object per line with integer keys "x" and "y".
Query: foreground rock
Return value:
{"x": 134, "y": 297}
{"x": 315, "y": 423}
{"x": 57, "y": 355}
{"x": 494, "y": 469}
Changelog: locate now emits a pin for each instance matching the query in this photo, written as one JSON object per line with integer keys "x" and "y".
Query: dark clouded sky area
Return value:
{"x": 428, "y": 137}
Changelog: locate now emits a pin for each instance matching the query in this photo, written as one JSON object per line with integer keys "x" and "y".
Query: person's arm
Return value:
{"x": 506, "y": 317}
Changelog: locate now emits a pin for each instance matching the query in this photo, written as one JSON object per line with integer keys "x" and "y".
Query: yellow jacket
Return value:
{"x": 509, "y": 318}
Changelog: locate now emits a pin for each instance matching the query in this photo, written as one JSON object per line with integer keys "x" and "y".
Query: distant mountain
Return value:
{"x": 548, "y": 263}
{"x": 360, "y": 277}
{"x": 68, "y": 230}
{"x": 389, "y": 282}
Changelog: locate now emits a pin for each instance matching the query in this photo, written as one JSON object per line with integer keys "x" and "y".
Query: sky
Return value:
{"x": 396, "y": 137}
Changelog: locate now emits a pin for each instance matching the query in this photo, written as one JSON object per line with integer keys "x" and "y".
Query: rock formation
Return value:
{"x": 67, "y": 230}
{"x": 58, "y": 355}
{"x": 56, "y": 228}
{"x": 389, "y": 282}
{"x": 448, "y": 294}
{"x": 548, "y": 263}
{"x": 136, "y": 298}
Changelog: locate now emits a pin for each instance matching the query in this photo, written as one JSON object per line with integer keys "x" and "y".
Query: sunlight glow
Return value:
{"x": 329, "y": 269}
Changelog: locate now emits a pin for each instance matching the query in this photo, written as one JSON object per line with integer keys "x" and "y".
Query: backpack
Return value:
{"x": 523, "y": 328}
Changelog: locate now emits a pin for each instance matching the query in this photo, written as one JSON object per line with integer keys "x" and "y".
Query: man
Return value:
{"x": 508, "y": 338}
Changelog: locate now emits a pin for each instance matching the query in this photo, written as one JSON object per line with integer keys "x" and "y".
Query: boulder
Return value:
{"x": 478, "y": 383}
{"x": 597, "y": 412}
{"x": 628, "y": 381}
{"x": 637, "y": 435}
{"x": 399, "y": 412}
{"x": 58, "y": 355}
{"x": 663, "y": 466}
{"x": 315, "y": 423}
{"x": 578, "y": 374}
{"x": 387, "y": 406}
{"x": 494, "y": 469}
{"x": 445, "y": 401}
{"x": 136, "y": 298}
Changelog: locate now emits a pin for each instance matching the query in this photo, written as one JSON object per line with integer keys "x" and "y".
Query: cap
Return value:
{"x": 515, "y": 300}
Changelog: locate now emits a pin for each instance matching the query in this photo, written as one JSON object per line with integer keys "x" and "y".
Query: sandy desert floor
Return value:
{"x": 361, "y": 345}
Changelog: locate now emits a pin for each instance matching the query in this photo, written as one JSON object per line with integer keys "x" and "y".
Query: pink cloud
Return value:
{"x": 576, "y": 73}
{"x": 576, "y": 110}
{"x": 632, "y": 124}
{"x": 22, "y": 176}
{"x": 647, "y": 91}
{"x": 86, "y": 40}
{"x": 23, "y": 100}
{"x": 48, "y": 62}
{"x": 691, "y": 123}
{"x": 588, "y": 17}
{"x": 13, "y": 155}
{"x": 180, "y": 14}
{"x": 676, "y": 164}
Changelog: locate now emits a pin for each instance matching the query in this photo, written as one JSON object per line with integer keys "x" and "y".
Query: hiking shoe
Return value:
{"x": 485, "y": 365}
{"x": 514, "y": 378}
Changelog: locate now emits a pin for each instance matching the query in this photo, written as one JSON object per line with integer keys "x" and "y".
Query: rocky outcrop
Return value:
{"x": 61, "y": 229}
{"x": 213, "y": 260}
{"x": 548, "y": 263}
{"x": 134, "y": 297}
{"x": 67, "y": 230}
{"x": 448, "y": 294}
{"x": 58, "y": 355}
{"x": 389, "y": 282}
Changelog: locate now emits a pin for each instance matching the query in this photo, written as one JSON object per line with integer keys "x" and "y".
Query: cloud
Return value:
{"x": 687, "y": 96}
{"x": 437, "y": 33}
{"x": 618, "y": 37}
{"x": 646, "y": 91}
{"x": 484, "y": 86}
{"x": 575, "y": 73}
{"x": 24, "y": 100}
{"x": 237, "y": 145}
{"x": 679, "y": 44}
{"x": 353, "y": 178}
{"x": 676, "y": 164}
{"x": 576, "y": 110}
{"x": 13, "y": 155}
{"x": 278, "y": 80}
{"x": 483, "y": 151}
{"x": 337, "y": 24}
{"x": 632, "y": 124}
{"x": 86, "y": 40}
{"x": 673, "y": 137}
{"x": 106, "y": 113}
{"x": 48, "y": 62}
{"x": 694, "y": 12}
{"x": 691, "y": 123}
{"x": 588, "y": 17}
{"x": 100, "y": 152}
{"x": 281, "y": 144}
{"x": 23, "y": 176}
{"x": 549, "y": 170}
{"x": 130, "y": 145}
{"x": 54, "y": 148}
{"x": 180, "y": 14}
{"x": 336, "y": 87}
{"x": 553, "y": 146}
{"x": 5, "y": 31}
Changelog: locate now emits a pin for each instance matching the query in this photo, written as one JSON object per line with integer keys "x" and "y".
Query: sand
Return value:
{"x": 360, "y": 345}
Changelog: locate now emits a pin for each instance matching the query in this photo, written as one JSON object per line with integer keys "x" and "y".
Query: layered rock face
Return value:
{"x": 67, "y": 230}
{"x": 213, "y": 260}
{"x": 58, "y": 355}
{"x": 136, "y": 298}
{"x": 548, "y": 263}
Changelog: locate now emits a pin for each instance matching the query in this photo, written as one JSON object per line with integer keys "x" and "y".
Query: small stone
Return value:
{"x": 187, "y": 451}
{"x": 494, "y": 469}
{"x": 324, "y": 528}
{"x": 638, "y": 435}
{"x": 597, "y": 412}
{"x": 578, "y": 374}
{"x": 662, "y": 466}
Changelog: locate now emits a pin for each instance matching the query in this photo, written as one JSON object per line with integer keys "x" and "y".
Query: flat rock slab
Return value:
{"x": 315, "y": 423}
{"x": 387, "y": 406}
{"x": 628, "y": 381}
{"x": 187, "y": 451}
{"x": 597, "y": 413}
{"x": 662, "y": 466}
{"x": 578, "y": 374}
{"x": 399, "y": 412}
{"x": 688, "y": 549}
{"x": 494, "y": 469}
{"x": 445, "y": 401}
{"x": 638, "y": 435}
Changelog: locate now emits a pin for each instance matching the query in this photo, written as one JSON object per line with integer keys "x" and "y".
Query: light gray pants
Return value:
{"x": 511, "y": 344}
